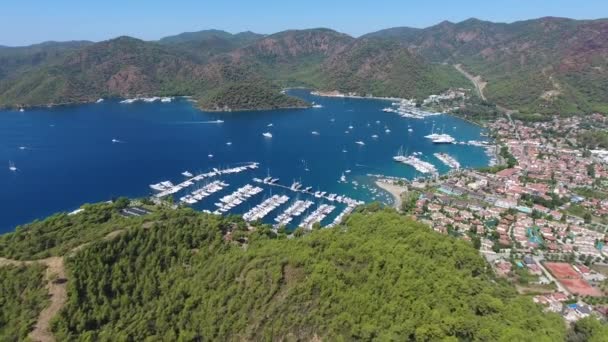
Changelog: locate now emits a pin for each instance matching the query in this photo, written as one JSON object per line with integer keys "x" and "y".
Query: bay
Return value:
{"x": 70, "y": 155}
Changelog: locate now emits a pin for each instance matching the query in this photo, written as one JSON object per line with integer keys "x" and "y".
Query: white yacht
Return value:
{"x": 99, "y": 101}
{"x": 360, "y": 143}
{"x": 229, "y": 143}
{"x": 343, "y": 178}
{"x": 11, "y": 166}
{"x": 21, "y": 110}
{"x": 375, "y": 136}
{"x": 269, "y": 125}
{"x": 267, "y": 135}
{"x": 315, "y": 133}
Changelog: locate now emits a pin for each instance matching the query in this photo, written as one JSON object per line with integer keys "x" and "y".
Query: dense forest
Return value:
{"x": 380, "y": 276}
{"x": 184, "y": 275}
{"x": 22, "y": 296}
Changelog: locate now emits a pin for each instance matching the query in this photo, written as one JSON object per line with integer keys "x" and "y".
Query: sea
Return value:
{"x": 70, "y": 155}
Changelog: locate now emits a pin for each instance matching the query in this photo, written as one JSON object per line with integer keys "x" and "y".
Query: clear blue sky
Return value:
{"x": 25, "y": 22}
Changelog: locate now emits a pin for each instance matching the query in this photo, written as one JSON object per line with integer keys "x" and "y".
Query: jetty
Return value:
{"x": 447, "y": 160}
{"x": 236, "y": 198}
{"x": 317, "y": 216}
{"x": 294, "y": 210}
{"x": 167, "y": 188}
{"x": 261, "y": 210}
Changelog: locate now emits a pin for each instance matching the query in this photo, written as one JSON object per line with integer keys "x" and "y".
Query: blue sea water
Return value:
{"x": 66, "y": 157}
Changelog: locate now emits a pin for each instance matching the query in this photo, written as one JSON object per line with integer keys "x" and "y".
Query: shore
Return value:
{"x": 394, "y": 190}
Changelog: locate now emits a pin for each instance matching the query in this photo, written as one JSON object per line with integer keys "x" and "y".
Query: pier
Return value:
{"x": 167, "y": 188}
{"x": 317, "y": 216}
{"x": 295, "y": 210}
{"x": 236, "y": 198}
{"x": 261, "y": 210}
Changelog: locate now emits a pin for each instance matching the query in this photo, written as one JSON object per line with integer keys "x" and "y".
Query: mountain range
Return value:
{"x": 547, "y": 65}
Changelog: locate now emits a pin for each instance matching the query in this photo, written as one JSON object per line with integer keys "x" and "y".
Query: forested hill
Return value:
{"x": 183, "y": 275}
{"x": 547, "y": 65}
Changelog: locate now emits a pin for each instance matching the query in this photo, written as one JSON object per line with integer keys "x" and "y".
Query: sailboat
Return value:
{"x": 11, "y": 166}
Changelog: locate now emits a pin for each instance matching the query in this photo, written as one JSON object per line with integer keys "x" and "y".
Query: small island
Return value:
{"x": 243, "y": 97}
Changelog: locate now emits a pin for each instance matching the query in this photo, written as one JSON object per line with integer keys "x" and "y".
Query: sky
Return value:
{"x": 24, "y": 22}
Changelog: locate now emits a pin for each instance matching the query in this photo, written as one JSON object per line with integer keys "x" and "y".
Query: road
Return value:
{"x": 476, "y": 80}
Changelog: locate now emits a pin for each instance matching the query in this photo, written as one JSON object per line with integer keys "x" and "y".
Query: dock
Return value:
{"x": 167, "y": 188}
{"x": 295, "y": 210}
{"x": 261, "y": 210}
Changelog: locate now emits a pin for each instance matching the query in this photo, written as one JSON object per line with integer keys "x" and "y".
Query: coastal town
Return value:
{"x": 539, "y": 217}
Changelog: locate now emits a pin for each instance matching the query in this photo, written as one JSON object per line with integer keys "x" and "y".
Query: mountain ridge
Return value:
{"x": 548, "y": 65}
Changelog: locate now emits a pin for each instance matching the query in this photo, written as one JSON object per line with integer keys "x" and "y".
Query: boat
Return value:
{"x": 315, "y": 105}
{"x": 315, "y": 133}
{"x": 166, "y": 99}
{"x": 21, "y": 110}
{"x": 115, "y": 141}
{"x": 22, "y": 148}
{"x": 187, "y": 174}
{"x": 360, "y": 143}
{"x": 344, "y": 151}
{"x": 347, "y": 171}
{"x": 350, "y": 127}
{"x": 11, "y": 166}
{"x": 443, "y": 139}
{"x": 410, "y": 130}
{"x": 269, "y": 125}
{"x": 343, "y": 178}
{"x": 387, "y": 130}
{"x": 99, "y": 101}
{"x": 375, "y": 136}
{"x": 218, "y": 121}
{"x": 267, "y": 135}
{"x": 210, "y": 155}
{"x": 229, "y": 143}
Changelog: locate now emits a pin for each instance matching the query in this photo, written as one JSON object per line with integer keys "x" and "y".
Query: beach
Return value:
{"x": 394, "y": 190}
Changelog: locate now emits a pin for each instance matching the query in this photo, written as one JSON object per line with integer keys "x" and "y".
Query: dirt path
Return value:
{"x": 56, "y": 279}
{"x": 57, "y": 286}
{"x": 479, "y": 83}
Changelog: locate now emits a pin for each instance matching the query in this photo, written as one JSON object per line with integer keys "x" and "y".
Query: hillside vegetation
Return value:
{"x": 547, "y": 65}
{"x": 172, "y": 275}
{"x": 22, "y": 296}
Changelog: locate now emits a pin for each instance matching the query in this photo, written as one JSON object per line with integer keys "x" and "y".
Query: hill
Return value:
{"x": 547, "y": 65}
{"x": 245, "y": 96}
{"x": 175, "y": 274}
{"x": 385, "y": 68}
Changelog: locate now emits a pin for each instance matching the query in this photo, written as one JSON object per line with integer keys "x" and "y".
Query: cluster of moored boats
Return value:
{"x": 448, "y": 160}
{"x": 147, "y": 99}
{"x": 236, "y": 198}
{"x": 407, "y": 109}
{"x": 261, "y": 210}
{"x": 167, "y": 188}
{"x": 317, "y": 216}
{"x": 294, "y": 210}
{"x": 206, "y": 191}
